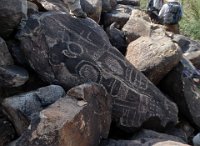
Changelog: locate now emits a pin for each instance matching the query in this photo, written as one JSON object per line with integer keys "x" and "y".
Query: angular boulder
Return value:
{"x": 182, "y": 85}
{"x": 82, "y": 53}
{"x": 20, "y": 108}
{"x": 32, "y": 8}
{"x": 12, "y": 76}
{"x": 136, "y": 27}
{"x": 155, "y": 57}
{"x": 11, "y": 13}
{"x": 5, "y": 57}
{"x": 81, "y": 120}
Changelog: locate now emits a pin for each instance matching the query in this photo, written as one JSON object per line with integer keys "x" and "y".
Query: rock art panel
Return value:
{"x": 69, "y": 51}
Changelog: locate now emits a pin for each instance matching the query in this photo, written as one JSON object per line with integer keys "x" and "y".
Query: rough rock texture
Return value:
{"x": 81, "y": 120}
{"x": 32, "y": 8}
{"x": 186, "y": 44}
{"x": 117, "y": 38}
{"x": 51, "y": 5}
{"x": 140, "y": 14}
{"x": 141, "y": 143}
{"x": 194, "y": 57}
{"x": 190, "y": 48}
{"x": 136, "y": 27}
{"x": 155, "y": 57}
{"x": 7, "y": 131}
{"x": 108, "y": 5}
{"x": 93, "y": 8}
{"x": 12, "y": 76}
{"x": 82, "y": 53}
{"x": 129, "y": 2}
{"x": 20, "y": 108}
{"x": 5, "y": 57}
{"x": 182, "y": 84}
{"x": 120, "y": 15}
{"x": 17, "y": 52}
{"x": 11, "y": 13}
{"x": 146, "y": 138}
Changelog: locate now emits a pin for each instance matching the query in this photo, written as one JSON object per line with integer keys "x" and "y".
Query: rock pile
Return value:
{"x": 102, "y": 80}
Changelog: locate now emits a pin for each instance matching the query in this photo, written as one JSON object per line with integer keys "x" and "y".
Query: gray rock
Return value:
{"x": 81, "y": 120}
{"x": 117, "y": 38}
{"x": 11, "y": 13}
{"x": 20, "y": 108}
{"x": 7, "y": 131}
{"x": 155, "y": 57}
{"x": 108, "y": 5}
{"x": 196, "y": 140}
{"x": 146, "y": 138}
{"x": 12, "y": 76}
{"x": 82, "y": 53}
{"x": 5, "y": 57}
{"x": 190, "y": 48}
{"x": 182, "y": 84}
{"x": 93, "y": 8}
{"x": 120, "y": 15}
{"x": 51, "y": 5}
{"x": 32, "y": 8}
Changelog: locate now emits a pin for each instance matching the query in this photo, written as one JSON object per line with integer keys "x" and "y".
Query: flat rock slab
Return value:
{"x": 12, "y": 76}
{"x": 82, "y": 53}
{"x": 81, "y": 120}
{"x": 20, "y": 108}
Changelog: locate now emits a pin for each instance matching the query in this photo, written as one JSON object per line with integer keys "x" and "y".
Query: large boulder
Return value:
{"x": 11, "y": 13}
{"x": 19, "y": 108}
{"x": 182, "y": 84}
{"x": 82, "y": 53}
{"x": 81, "y": 119}
{"x": 32, "y": 8}
{"x": 12, "y": 76}
{"x": 5, "y": 57}
{"x": 155, "y": 57}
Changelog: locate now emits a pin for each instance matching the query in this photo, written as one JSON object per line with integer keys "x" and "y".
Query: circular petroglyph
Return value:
{"x": 114, "y": 66}
{"x": 73, "y": 50}
{"x": 88, "y": 72}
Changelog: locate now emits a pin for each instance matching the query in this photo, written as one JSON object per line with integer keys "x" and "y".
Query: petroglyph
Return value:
{"x": 87, "y": 56}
